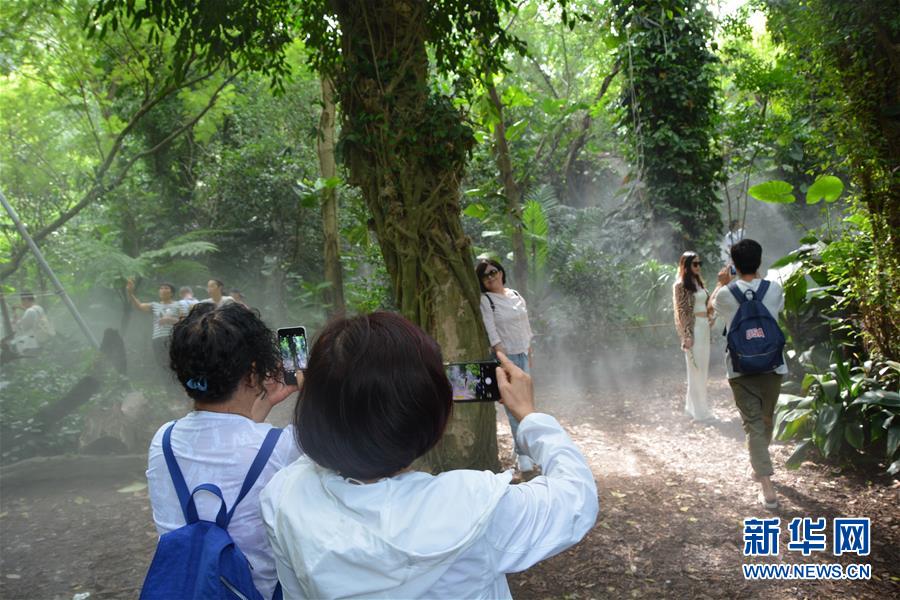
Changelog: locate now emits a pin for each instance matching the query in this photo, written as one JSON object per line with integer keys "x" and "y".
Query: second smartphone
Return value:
{"x": 294, "y": 352}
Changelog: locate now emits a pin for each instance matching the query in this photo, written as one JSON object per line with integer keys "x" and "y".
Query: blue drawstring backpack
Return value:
{"x": 755, "y": 342}
{"x": 200, "y": 560}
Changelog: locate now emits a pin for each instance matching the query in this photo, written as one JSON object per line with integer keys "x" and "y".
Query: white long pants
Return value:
{"x": 697, "y": 359}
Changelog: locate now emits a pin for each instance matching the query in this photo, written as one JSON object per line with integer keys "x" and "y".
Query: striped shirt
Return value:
{"x": 160, "y": 310}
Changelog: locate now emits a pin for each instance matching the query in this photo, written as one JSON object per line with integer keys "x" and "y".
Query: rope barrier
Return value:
{"x": 645, "y": 326}
{"x": 36, "y": 295}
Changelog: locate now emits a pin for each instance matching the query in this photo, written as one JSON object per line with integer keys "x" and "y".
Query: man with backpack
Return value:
{"x": 749, "y": 306}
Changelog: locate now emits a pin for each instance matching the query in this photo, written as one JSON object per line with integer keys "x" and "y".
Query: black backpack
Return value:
{"x": 755, "y": 341}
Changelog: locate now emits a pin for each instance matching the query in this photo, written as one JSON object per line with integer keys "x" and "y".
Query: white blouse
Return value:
{"x": 218, "y": 448}
{"x": 507, "y": 321}
{"x": 417, "y": 535}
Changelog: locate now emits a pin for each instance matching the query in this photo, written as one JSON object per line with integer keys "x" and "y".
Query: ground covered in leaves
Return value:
{"x": 673, "y": 496}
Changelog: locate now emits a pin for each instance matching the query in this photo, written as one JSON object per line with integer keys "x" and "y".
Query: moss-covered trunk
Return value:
{"x": 327, "y": 166}
{"x": 406, "y": 148}
{"x": 513, "y": 192}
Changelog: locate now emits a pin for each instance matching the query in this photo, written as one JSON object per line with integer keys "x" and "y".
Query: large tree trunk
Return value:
{"x": 513, "y": 192}
{"x": 328, "y": 168}
{"x": 406, "y": 149}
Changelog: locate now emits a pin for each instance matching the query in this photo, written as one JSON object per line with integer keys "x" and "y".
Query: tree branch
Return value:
{"x": 98, "y": 189}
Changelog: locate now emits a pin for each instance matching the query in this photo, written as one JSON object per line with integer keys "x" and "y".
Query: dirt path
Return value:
{"x": 673, "y": 496}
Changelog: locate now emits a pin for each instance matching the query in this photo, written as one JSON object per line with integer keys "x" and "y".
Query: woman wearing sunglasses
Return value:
{"x": 505, "y": 317}
{"x": 693, "y": 317}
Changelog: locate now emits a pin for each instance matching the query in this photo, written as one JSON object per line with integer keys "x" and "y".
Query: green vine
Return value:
{"x": 668, "y": 103}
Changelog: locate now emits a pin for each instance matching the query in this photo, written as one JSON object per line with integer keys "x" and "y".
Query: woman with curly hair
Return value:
{"x": 692, "y": 320}
{"x": 229, "y": 364}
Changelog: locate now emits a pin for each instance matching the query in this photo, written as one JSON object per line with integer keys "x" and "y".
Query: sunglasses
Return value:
{"x": 699, "y": 263}
{"x": 490, "y": 274}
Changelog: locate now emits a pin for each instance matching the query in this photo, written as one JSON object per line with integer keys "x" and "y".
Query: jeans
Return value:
{"x": 521, "y": 361}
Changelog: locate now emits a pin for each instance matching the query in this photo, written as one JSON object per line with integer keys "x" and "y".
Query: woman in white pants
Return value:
{"x": 693, "y": 317}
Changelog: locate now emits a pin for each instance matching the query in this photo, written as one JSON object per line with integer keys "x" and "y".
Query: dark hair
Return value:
{"x": 733, "y": 224}
{"x": 216, "y": 347}
{"x": 26, "y": 296}
{"x": 747, "y": 256}
{"x": 482, "y": 266}
{"x": 168, "y": 285}
{"x": 686, "y": 275}
{"x": 375, "y": 396}
{"x": 218, "y": 282}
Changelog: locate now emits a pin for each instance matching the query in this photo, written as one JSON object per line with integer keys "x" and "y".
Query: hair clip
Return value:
{"x": 198, "y": 384}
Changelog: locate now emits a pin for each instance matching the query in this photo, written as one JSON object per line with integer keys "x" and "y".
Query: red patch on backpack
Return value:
{"x": 756, "y": 333}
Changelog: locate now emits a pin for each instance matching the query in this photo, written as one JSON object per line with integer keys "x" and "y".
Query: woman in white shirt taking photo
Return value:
{"x": 505, "y": 316}
{"x": 351, "y": 519}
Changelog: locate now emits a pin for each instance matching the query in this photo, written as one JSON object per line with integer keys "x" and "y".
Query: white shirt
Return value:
{"x": 222, "y": 301}
{"x": 726, "y": 306}
{"x": 507, "y": 322}
{"x": 416, "y": 535}
{"x": 28, "y": 322}
{"x": 731, "y": 238}
{"x": 160, "y": 310}
{"x": 218, "y": 448}
{"x": 186, "y": 304}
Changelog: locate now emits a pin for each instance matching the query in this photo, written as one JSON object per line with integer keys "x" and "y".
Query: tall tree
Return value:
{"x": 669, "y": 100}
{"x": 325, "y": 143}
{"x": 104, "y": 93}
{"x": 851, "y": 57}
{"x": 512, "y": 190}
{"x": 405, "y": 145}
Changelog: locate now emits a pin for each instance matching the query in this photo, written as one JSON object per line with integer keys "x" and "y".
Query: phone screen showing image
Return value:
{"x": 294, "y": 352}
{"x": 474, "y": 381}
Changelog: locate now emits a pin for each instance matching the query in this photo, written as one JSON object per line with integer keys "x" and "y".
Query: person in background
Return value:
{"x": 754, "y": 394}
{"x": 32, "y": 329}
{"x": 228, "y": 363}
{"x": 352, "y": 519}
{"x": 166, "y": 313}
{"x": 238, "y": 296}
{"x": 693, "y": 320}
{"x": 216, "y": 290}
{"x": 505, "y": 316}
{"x": 186, "y": 293}
{"x": 733, "y": 236}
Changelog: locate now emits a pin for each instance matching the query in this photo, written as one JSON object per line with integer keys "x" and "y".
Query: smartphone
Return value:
{"x": 294, "y": 352}
{"x": 732, "y": 270}
{"x": 474, "y": 381}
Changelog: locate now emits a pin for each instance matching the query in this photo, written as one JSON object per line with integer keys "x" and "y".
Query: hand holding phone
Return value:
{"x": 516, "y": 389}
{"x": 294, "y": 352}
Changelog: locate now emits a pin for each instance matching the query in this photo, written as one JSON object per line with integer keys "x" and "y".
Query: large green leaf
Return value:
{"x": 800, "y": 452}
{"x": 180, "y": 249}
{"x": 827, "y": 187}
{"x": 855, "y": 434}
{"x": 792, "y": 423}
{"x": 893, "y": 440}
{"x": 879, "y": 397}
{"x": 795, "y": 292}
{"x": 534, "y": 222}
{"x": 775, "y": 192}
{"x": 829, "y": 428}
{"x": 476, "y": 210}
{"x": 830, "y": 388}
